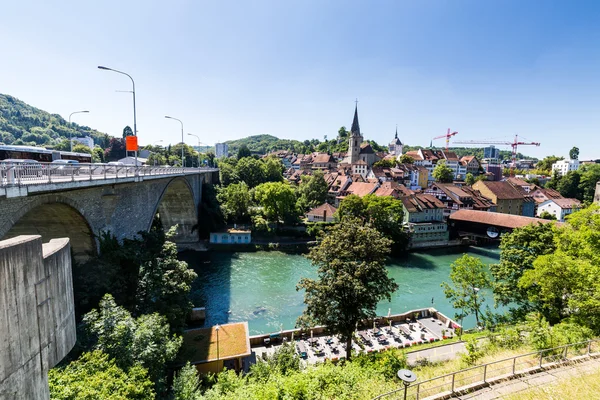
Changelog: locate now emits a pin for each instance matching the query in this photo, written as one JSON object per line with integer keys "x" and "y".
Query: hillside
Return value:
{"x": 22, "y": 124}
{"x": 263, "y": 144}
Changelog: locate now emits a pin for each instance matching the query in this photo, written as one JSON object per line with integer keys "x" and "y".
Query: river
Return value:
{"x": 261, "y": 287}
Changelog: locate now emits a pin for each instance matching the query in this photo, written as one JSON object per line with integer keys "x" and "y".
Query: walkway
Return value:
{"x": 524, "y": 383}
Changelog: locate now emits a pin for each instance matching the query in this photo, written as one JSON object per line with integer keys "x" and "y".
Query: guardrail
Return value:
{"x": 43, "y": 173}
{"x": 481, "y": 375}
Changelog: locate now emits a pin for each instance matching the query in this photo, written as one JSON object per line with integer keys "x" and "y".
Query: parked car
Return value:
{"x": 114, "y": 166}
{"x": 66, "y": 167}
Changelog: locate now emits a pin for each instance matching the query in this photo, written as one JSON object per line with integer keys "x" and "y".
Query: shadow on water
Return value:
{"x": 212, "y": 287}
{"x": 489, "y": 252}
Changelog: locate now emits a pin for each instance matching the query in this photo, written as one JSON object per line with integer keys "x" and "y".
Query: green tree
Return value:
{"x": 97, "y": 155}
{"x": 243, "y": 152}
{"x": 568, "y": 186}
{"x": 518, "y": 250}
{"x": 554, "y": 181}
{"x": 546, "y": 163}
{"x": 342, "y": 133}
{"x": 468, "y": 275}
{"x": 546, "y": 215}
{"x": 385, "y": 164}
{"x": 442, "y": 172}
{"x": 144, "y": 341}
{"x": 235, "y": 202}
{"x": 164, "y": 285}
{"x": 590, "y": 175}
{"x": 273, "y": 169}
{"x": 406, "y": 159}
{"x": 312, "y": 190}
{"x": 278, "y": 201}
{"x": 251, "y": 171}
{"x": 127, "y": 131}
{"x": 186, "y": 385}
{"x": 469, "y": 179}
{"x": 574, "y": 153}
{"x": 115, "y": 150}
{"x": 227, "y": 173}
{"x": 352, "y": 279}
{"x": 96, "y": 376}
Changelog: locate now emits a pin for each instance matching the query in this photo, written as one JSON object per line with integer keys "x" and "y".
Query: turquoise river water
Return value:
{"x": 261, "y": 287}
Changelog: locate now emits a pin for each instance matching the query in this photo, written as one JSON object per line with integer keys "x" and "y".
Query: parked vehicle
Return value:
{"x": 66, "y": 167}
{"x": 114, "y": 166}
{"x": 28, "y": 167}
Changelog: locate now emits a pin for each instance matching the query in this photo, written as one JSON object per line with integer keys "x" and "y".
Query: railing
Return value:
{"x": 19, "y": 174}
{"x": 481, "y": 375}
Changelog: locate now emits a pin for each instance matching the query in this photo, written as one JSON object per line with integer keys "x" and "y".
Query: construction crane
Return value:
{"x": 513, "y": 144}
{"x": 447, "y": 136}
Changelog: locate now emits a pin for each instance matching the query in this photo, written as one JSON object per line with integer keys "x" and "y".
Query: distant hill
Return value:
{"x": 263, "y": 144}
{"x": 22, "y": 124}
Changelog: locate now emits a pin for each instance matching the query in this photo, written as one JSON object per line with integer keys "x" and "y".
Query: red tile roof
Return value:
{"x": 323, "y": 208}
{"x": 567, "y": 203}
{"x": 419, "y": 202}
{"x": 362, "y": 189}
{"x": 496, "y": 219}
{"x": 503, "y": 190}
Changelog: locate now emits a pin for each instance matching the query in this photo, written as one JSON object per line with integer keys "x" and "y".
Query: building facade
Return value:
{"x": 239, "y": 236}
{"x": 564, "y": 166}
{"x": 221, "y": 150}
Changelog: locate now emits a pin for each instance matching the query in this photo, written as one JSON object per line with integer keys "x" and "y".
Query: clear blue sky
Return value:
{"x": 228, "y": 69}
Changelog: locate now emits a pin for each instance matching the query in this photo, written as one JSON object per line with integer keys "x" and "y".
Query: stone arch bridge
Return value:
{"x": 82, "y": 210}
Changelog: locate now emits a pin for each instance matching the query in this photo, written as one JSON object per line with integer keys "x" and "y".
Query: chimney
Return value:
{"x": 325, "y": 215}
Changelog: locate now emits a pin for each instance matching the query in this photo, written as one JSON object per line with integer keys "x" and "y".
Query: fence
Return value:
{"x": 482, "y": 375}
{"x": 18, "y": 174}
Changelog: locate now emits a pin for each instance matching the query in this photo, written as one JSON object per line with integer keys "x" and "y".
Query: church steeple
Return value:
{"x": 355, "y": 130}
{"x": 396, "y": 137}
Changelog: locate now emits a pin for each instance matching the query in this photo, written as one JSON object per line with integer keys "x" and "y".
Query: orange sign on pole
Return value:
{"x": 131, "y": 143}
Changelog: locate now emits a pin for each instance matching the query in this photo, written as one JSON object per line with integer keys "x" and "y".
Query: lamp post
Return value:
{"x": 217, "y": 328}
{"x": 197, "y": 137}
{"x": 153, "y": 144}
{"x": 70, "y": 139}
{"x": 134, "y": 116}
{"x": 182, "y": 144}
{"x": 407, "y": 377}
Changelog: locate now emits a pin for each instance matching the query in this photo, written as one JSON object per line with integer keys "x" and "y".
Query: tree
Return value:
{"x": 273, "y": 168}
{"x": 243, "y": 152}
{"x": 186, "y": 385}
{"x": 81, "y": 148}
{"x": 406, "y": 159}
{"x": 385, "y": 164}
{"x": 468, "y": 276}
{"x": 442, "y": 172}
{"x": 590, "y": 175}
{"x": 164, "y": 286}
{"x": 574, "y": 153}
{"x": 352, "y": 279}
{"x": 144, "y": 341}
{"x": 127, "y": 131}
{"x": 235, "y": 202}
{"x": 97, "y": 155}
{"x": 546, "y": 215}
{"x": 554, "y": 181}
{"x": 342, "y": 133}
{"x": 518, "y": 250}
{"x": 278, "y": 201}
{"x": 546, "y": 163}
{"x": 469, "y": 179}
{"x": 312, "y": 190}
{"x": 227, "y": 173}
{"x": 115, "y": 150}
{"x": 569, "y": 185}
{"x": 251, "y": 171}
{"x": 96, "y": 376}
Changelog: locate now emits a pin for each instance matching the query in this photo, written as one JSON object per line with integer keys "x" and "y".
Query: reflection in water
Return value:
{"x": 261, "y": 287}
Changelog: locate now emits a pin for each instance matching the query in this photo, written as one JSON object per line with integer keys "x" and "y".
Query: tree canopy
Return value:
{"x": 312, "y": 190}
{"x": 278, "y": 201}
{"x": 442, "y": 172}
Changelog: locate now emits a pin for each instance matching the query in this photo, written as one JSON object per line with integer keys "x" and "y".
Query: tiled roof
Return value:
{"x": 496, "y": 219}
{"x": 419, "y": 202}
{"x": 322, "y": 158}
{"x": 365, "y": 148}
{"x": 567, "y": 203}
{"x": 393, "y": 189}
{"x": 318, "y": 211}
{"x": 414, "y": 155}
{"x": 362, "y": 189}
{"x": 503, "y": 190}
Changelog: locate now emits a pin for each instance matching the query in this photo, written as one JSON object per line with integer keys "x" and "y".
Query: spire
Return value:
{"x": 396, "y": 137}
{"x": 355, "y": 130}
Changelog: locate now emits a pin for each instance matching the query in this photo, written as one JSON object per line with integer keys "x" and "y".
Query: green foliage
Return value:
{"x": 574, "y": 153}
{"x": 115, "y": 150}
{"x": 568, "y": 186}
{"x": 251, "y": 171}
{"x": 96, "y": 376}
{"x": 227, "y": 173}
{"x": 519, "y": 249}
{"x": 278, "y": 201}
{"x": 469, "y": 179}
{"x": 235, "y": 202}
{"x": 127, "y": 131}
{"x": 243, "y": 152}
{"x": 546, "y": 215}
{"x": 312, "y": 191}
{"x": 383, "y": 213}
{"x": 406, "y": 159}
{"x": 385, "y": 164}
{"x": 469, "y": 276}
{"x": 473, "y": 354}
{"x": 143, "y": 341}
{"x": 442, "y": 172}
{"x": 352, "y": 279}
{"x": 186, "y": 385}
{"x": 590, "y": 174}
{"x": 546, "y": 163}
{"x": 283, "y": 361}
{"x": 273, "y": 168}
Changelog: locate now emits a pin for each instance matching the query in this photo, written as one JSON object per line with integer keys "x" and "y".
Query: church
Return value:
{"x": 359, "y": 152}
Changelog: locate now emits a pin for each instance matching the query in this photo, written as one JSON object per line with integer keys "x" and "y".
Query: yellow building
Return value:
{"x": 507, "y": 198}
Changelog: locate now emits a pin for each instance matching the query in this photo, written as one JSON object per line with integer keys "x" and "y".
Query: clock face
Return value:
{"x": 493, "y": 232}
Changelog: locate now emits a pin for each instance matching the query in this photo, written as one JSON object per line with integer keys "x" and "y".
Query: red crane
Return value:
{"x": 513, "y": 144}
{"x": 447, "y": 136}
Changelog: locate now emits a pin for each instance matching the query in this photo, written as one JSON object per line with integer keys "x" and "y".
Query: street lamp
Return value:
{"x": 134, "y": 116}
{"x": 407, "y": 377}
{"x": 217, "y": 328}
{"x": 182, "y": 144}
{"x": 197, "y": 137}
{"x": 71, "y": 140}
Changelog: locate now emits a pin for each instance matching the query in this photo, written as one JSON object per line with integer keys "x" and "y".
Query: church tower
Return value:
{"x": 395, "y": 146}
{"x": 355, "y": 139}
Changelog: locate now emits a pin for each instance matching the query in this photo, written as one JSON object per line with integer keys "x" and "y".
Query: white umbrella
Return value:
{"x": 389, "y": 312}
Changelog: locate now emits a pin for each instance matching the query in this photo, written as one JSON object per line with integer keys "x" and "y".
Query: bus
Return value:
{"x": 40, "y": 154}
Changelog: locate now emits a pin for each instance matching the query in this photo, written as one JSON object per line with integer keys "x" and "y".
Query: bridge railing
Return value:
{"x": 474, "y": 377}
{"x": 18, "y": 174}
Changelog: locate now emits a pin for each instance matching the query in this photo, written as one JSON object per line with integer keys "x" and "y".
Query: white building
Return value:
{"x": 221, "y": 150}
{"x": 564, "y": 166}
{"x": 86, "y": 141}
{"x": 231, "y": 236}
{"x": 560, "y": 208}
{"x": 130, "y": 160}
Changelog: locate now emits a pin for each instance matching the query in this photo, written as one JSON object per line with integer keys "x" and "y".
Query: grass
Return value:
{"x": 584, "y": 387}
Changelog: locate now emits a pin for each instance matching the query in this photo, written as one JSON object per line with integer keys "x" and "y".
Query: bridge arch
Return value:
{"x": 54, "y": 217}
{"x": 177, "y": 206}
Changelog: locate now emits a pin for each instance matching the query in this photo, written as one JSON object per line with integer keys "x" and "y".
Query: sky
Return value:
{"x": 229, "y": 69}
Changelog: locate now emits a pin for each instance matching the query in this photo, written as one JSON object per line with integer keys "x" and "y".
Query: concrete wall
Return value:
{"x": 123, "y": 209}
{"x": 37, "y": 314}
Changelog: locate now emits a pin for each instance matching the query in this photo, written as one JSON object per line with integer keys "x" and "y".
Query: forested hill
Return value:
{"x": 22, "y": 124}
{"x": 263, "y": 144}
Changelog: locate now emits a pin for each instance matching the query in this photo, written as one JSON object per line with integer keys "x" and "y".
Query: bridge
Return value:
{"x": 82, "y": 201}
